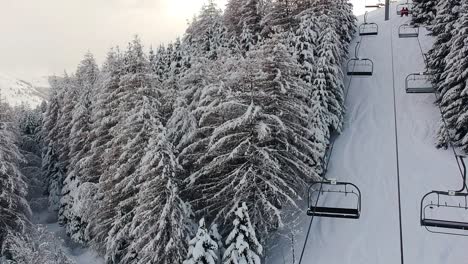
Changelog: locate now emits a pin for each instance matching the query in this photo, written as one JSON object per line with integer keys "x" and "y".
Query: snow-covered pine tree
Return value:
{"x": 446, "y": 16}
{"x": 206, "y": 34}
{"x": 70, "y": 214}
{"x": 51, "y": 169}
{"x": 243, "y": 13}
{"x": 328, "y": 60}
{"x": 304, "y": 42}
{"x": 138, "y": 121}
{"x": 424, "y": 12}
{"x": 279, "y": 17}
{"x": 242, "y": 243}
{"x": 202, "y": 248}
{"x": 454, "y": 80}
{"x": 340, "y": 15}
{"x": 160, "y": 227}
{"x": 159, "y": 64}
{"x": 36, "y": 245}
{"x": 444, "y": 24}
{"x": 258, "y": 148}
{"x": 104, "y": 118}
{"x": 14, "y": 209}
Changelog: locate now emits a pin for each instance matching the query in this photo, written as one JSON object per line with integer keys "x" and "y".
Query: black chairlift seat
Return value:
{"x": 348, "y": 213}
{"x": 332, "y": 187}
{"x": 444, "y": 224}
{"x": 368, "y": 29}
{"x": 408, "y": 31}
{"x": 419, "y": 83}
{"x": 458, "y": 202}
{"x": 360, "y": 67}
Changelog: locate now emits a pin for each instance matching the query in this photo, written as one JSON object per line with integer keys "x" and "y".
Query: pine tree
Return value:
{"x": 104, "y": 119}
{"x": 70, "y": 213}
{"x": 52, "y": 171}
{"x": 424, "y": 12}
{"x": 242, "y": 243}
{"x": 453, "y": 82}
{"x": 138, "y": 121}
{"x": 14, "y": 209}
{"x": 161, "y": 224}
{"x": 207, "y": 34}
{"x": 243, "y": 15}
{"x": 202, "y": 248}
{"x": 449, "y": 97}
{"x": 257, "y": 147}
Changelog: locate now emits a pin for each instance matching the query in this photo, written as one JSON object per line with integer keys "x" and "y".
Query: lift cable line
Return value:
{"x": 397, "y": 151}
{"x": 326, "y": 166}
{"x": 434, "y": 224}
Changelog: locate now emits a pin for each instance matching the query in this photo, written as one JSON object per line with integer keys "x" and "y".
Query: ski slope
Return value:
{"x": 365, "y": 154}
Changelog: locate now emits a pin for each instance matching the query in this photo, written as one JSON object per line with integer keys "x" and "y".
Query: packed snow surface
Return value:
{"x": 365, "y": 154}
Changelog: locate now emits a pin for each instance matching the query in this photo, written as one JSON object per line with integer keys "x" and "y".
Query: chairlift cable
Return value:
{"x": 327, "y": 162}
{"x": 397, "y": 152}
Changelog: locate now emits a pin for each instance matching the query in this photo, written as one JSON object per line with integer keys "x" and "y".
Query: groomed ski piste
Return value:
{"x": 366, "y": 155}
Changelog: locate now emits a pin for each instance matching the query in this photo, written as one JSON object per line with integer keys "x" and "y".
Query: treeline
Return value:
{"x": 21, "y": 240}
{"x": 226, "y": 125}
{"x": 447, "y": 21}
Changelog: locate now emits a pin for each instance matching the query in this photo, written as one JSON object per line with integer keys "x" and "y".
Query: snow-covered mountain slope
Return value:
{"x": 16, "y": 91}
{"x": 366, "y": 155}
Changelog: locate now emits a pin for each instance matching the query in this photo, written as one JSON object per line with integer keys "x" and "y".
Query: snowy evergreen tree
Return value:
{"x": 202, "y": 248}
{"x": 14, "y": 209}
{"x": 449, "y": 96}
{"x": 453, "y": 83}
{"x": 206, "y": 34}
{"x": 161, "y": 224}
{"x": 304, "y": 42}
{"x": 258, "y": 148}
{"x": 104, "y": 119}
{"x": 138, "y": 121}
{"x": 243, "y": 15}
{"x": 242, "y": 243}
{"x": 70, "y": 213}
{"x": 36, "y": 245}
{"x": 424, "y": 12}
{"x": 51, "y": 168}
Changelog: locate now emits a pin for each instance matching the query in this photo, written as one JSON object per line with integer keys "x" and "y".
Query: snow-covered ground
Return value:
{"x": 16, "y": 91}
{"x": 365, "y": 154}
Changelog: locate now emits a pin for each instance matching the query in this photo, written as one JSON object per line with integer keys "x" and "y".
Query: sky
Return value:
{"x": 45, "y": 37}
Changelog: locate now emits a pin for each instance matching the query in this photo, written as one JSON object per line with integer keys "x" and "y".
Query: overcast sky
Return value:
{"x": 44, "y": 37}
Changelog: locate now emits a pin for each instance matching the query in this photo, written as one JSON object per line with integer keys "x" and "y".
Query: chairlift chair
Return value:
{"x": 419, "y": 83}
{"x": 403, "y": 5}
{"x": 368, "y": 29}
{"x": 359, "y": 66}
{"x": 408, "y": 31}
{"x": 446, "y": 201}
{"x": 331, "y": 187}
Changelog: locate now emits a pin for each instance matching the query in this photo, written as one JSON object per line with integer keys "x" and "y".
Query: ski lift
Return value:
{"x": 444, "y": 210}
{"x": 408, "y": 31}
{"x": 359, "y": 66}
{"x": 419, "y": 83}
{"x": 368, "y": 29}
{"x": 408, "y": 5}
{"x": 329, "y": 188}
